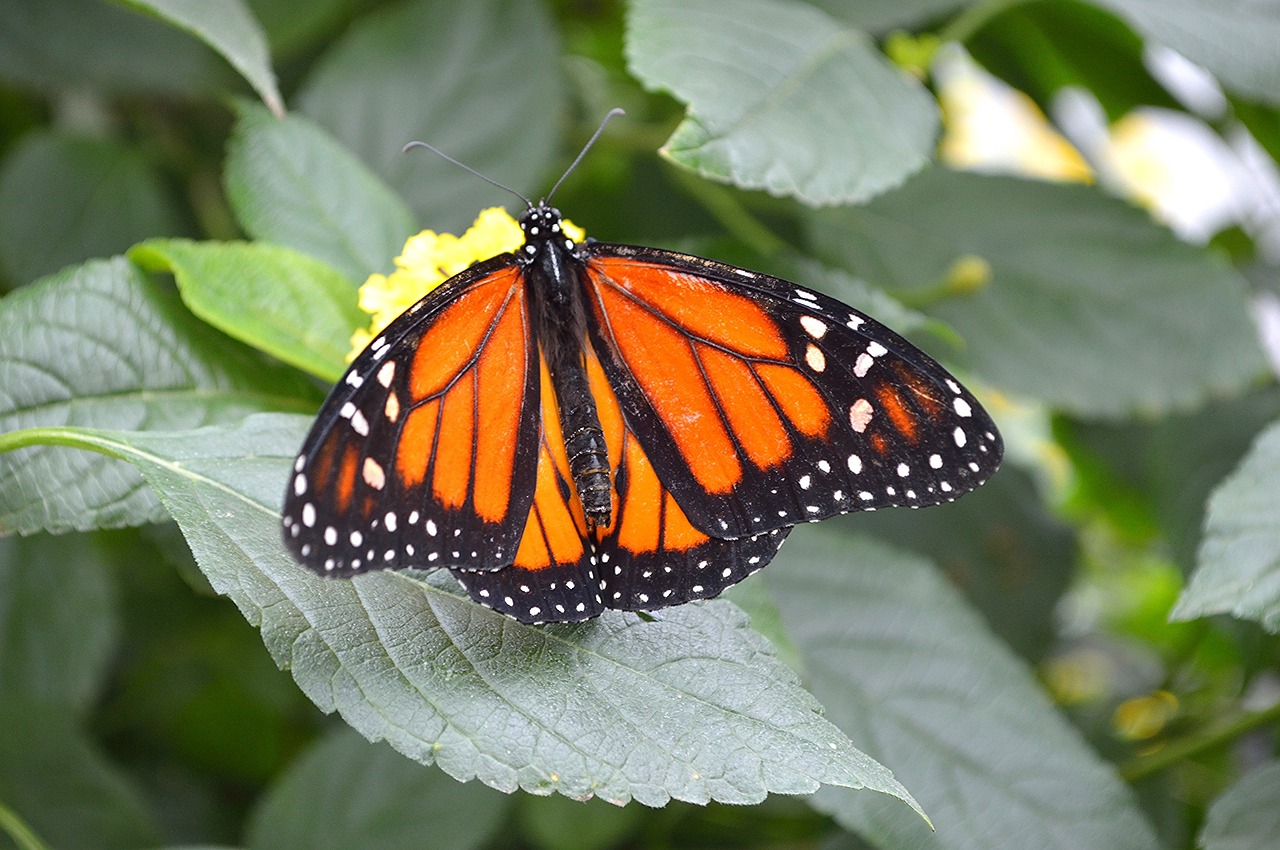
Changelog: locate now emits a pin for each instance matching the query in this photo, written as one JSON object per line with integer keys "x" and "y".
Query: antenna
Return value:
{"x": 435, "y": 150}
{"x": 613, "y": 113}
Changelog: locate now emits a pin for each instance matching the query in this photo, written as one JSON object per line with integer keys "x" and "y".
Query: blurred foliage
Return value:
{"x": 1083, "y": 653}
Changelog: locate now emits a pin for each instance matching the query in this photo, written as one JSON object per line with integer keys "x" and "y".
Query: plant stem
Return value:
{"x": 1210, "y": 739}
{"x": 23, "y": 836}
{"x": 731, "y": 214}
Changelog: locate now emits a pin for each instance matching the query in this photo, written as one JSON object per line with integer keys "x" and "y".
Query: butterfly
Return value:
{"x": 574, "y": 427}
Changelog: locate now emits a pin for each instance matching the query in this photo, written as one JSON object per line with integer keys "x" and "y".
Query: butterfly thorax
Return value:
{"x": 554, "y": 268}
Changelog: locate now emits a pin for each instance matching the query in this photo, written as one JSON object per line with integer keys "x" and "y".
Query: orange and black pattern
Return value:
{"x": 707, "y": 410}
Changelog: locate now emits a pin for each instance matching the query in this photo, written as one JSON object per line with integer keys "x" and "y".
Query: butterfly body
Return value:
{"x": 575, "y": 427}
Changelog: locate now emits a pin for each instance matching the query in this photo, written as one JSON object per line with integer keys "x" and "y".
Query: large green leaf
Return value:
{"x": 60, "y": 45}
{"x": 1234, "y": 39}
{"x": 292, "y": 27}
{"x": 99, "y": 345}
{"x": 479, "y": 80}
{"x": 287, "y": 304}
{"x": 65, "y": 199}
{"x": 292, "y": 184}
{"x": 58, "y": 622}
{"x": 690, "y": 705}
{"x": 229, "y": 28}
{"x": 60, "y": 784}
{"x": 902, "y": 662}
{"x": 346, "y": 792}
{"x": 781, "y": 97}
{"x": 1090, "y": 306}
{"x": 1002, "y": 547}
{"x": 880, "y": 16}
{"x": 1247, "y": 816}
{"x": 1239, "y": 563}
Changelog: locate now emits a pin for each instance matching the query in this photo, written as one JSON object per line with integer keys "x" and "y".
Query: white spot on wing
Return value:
{"x": 359, "y": 424}
{"x": 373, "y": 474}
{"x": 813, "y": 326}
{"x": 860, "y": 415}
{"x": 815, "y": 358}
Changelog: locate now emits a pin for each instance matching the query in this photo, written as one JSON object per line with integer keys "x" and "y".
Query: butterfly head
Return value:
{"x": 543, "y": 225}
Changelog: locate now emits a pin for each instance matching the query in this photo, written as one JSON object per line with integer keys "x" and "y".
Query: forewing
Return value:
{"x": 553, "y": 576}
{"x": 424, "y": 454}
{"x": 761, "y": 405}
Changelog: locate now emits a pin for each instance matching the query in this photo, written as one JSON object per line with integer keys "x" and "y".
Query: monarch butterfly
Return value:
{"x": 576, "y": 427}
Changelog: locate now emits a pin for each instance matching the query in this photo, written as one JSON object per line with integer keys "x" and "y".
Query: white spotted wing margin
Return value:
{"x": 565, "y": 709}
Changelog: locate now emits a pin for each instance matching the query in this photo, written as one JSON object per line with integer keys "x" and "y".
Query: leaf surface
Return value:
{"x": 480, "y": 80}
{"x": 229, "y": 28}
{"x": 1089, "y": 306}
{"x": 905, "y": 665}
{"x": 292, "y": 184}
{"x": 1239, "y": 561}
{"x": 346, "y": 792}
{"x": 100, "y": 345}
{"x": 287, "y": 304}
{"x": 691, "y": 705}
{"x": 781, "y": 97}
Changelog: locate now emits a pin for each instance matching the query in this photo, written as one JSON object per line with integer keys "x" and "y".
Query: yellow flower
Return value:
{"x": 428, "y": 260}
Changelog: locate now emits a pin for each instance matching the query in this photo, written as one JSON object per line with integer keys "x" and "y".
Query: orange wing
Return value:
{"x": 652, "y": 556}
{"x": 425, "y": 453}
{"x": 761, "y": 405}
{"x": 553, "y": 576}
{"x": 648, "y": 558}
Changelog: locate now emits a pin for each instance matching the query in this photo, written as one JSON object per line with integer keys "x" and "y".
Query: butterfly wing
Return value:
{"x": 651, "y": 556}
{"x": 762, "y": 405}
{"x": 553, "y": 575}
{"x": 424, "y": 454}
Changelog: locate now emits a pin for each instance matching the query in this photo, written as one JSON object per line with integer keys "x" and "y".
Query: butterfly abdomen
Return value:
{"x": 584, "y": 441}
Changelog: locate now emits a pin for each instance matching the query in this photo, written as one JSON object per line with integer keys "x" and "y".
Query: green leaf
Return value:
{"x": 907, "y": 667}
{"x": 59, "y": 783}
{"x": 558, "y": 823}
{"x": 87, "y": 45}
{"x": 58, "y": 622}
{"x": 293, "y": 27}
{"x": 1247, "y": 815}
{"x": 479, "y": 80}
{"x": 100, "y": 345}
{"x": 881, "y": 16}
{"x": 781, "y": 97}
{"x": 346, "y": 792}
{"x": 1234, "y": 39}
{"x": 999, "y": 544}
{"x": 284, "y": 303}
{"x": 229, "y": 28}
{"x": 1042, "y": 48}
{"x": 291, "y": 183}
{"x": 692, "y": 705}
{"x": 65, "y": 199}
{"x": 1090, "y": 306}
{"x": 1239, "y": 563}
